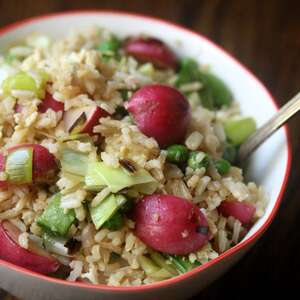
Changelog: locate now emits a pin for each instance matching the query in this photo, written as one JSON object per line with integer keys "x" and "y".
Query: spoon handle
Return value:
{"x": 280, "y": 118}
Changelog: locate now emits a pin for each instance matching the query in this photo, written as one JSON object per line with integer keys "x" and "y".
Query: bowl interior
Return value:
{"x": 269, "y": 164}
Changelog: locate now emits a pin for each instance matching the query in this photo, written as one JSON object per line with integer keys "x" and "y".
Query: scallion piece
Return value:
{"x": 54, "y": 220}
{"x": 73, "y": 162}
{"x": 19, "y": 165}
{"x": 99, "y": 175}
{"x": 106, "y": 209}
{"x": 239, "y": 129}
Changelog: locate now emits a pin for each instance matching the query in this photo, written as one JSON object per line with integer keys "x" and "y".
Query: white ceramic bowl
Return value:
{"x": 269, "y": 166}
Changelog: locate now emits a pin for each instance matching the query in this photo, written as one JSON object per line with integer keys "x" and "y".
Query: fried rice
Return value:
{"x": 78, "y": 75}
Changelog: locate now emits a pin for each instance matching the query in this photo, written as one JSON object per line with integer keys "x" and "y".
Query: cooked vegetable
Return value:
{"x": 73, "y": 162}
{"x": 169, "y": 224}
{"x": 35, "y": 258}
{"x": 177, "y": 153}
{"x": 239, "y": 129}
{"x": 241, "y": 211}
{"x": 50, "y": 103}
{"x": 44, "y": 166}
{"x": 24, "y": 81}
{"x": 151, "y": 50}
{"x": 106, "y": 209}
{"x": 214, "y": 92}
{"x": 162, "y": 262}
{"x": 230, "y": 153}
{"x": 54, "y": 219}
{"x": 83, "y": 119}
{"x": 188, "y": 71}
{"x": 161, "y": 112}
{"x": 99, "y": 175}
{"x": 153, "y": 270}
{"x": 222, "y": 166}
{"x": 220, "y": 93}
{"x": 110, "y": 47}
{"x": 115, "y": 222}
{"x": 19, "y": 166}
{"x": 197, "y": 160}
{"x": 55, "y": 244}
{"x": 182, "y": 264}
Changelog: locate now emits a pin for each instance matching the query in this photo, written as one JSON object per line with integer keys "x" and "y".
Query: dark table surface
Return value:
{"x": 265, "y": 36}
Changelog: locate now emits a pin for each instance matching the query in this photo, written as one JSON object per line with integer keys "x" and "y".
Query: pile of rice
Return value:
{"x": 80, "y": 76}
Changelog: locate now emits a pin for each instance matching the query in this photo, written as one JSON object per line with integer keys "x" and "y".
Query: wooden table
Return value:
{"x": 265, "y": 36}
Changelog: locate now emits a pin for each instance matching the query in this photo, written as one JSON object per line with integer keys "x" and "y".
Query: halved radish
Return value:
{"x": 83, "y": 119}
{"x": 50, "y": 103}
{"x": 35, "y": 258}
{"x": 44, "y": 163}
{"x": 170, "y": 224}
{"x": 3, "y": 183}
{"x": 241, "y": 211}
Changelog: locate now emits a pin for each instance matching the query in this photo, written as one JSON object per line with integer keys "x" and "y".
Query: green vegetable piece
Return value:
{"x": 19, "y": 166}
{"x": 74, "y": 162}
{"x": 124, "y": 94}
{"x": 106, "y": 209}
{"x": 223, "y": 166}
{"x": 99, "y": 175}
{"x": 148, "y": 265}
{"x": 197, "y": 160}
{"x": 220, "y": 93}
{"x": 230, "y": 153}
{"x": 162, "y": 262}
{"x": 54, "y": 220}
{"x": 115, "y": 222}
{"x": 110, "y": 47}
{"x": 188, "y": 72}
{"x": 128, "y": 206}
{"x": 9, "y": 58}
{"x": 23, "y": 81}
{"x": 239, "y": 129}
{"x": 55, "y": 244}
{"x": 206, "y": 98}
{"x": 181, "y": 263}
{"x": 177, "y": 153}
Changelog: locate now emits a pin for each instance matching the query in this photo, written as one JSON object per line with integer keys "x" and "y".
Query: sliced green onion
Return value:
{"x": 55, "y": 244}
{"x": 82, "y": 137}
{"x": 99, "y": 175}
{"x": 54, "y": 220}
{"x": 239, "y": 129}
{"x": 153, "y": 270}
{"x": 163, "y": 262}
{"x": 177, "y": 153}
{"x": 74, "y": 162}
{"x": 181, "y": 263}
{"x": 19, "y": 166}
{"x": 115, "y": 222}
{"x": 106, "y": 209}
{"x": 24, "y": 81}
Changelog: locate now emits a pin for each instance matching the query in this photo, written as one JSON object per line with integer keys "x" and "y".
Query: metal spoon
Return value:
{"x": 258, "y": 137}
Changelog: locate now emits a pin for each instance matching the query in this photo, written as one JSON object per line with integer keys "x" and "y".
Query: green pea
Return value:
{"x": 197, "y": 160}
{"x": 222, "y": 166}
{"x": 230, "y": 153}
{"x": 177, "y": 153}
{"x": 115, "y": 222}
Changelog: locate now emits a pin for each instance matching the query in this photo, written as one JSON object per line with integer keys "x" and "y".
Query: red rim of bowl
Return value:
{"x": 229, "y": 252}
